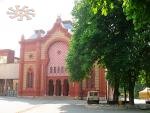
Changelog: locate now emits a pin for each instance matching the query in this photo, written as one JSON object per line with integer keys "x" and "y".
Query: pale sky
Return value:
{"x": 46, "y": 12}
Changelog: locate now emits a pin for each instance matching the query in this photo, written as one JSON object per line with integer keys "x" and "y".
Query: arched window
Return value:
{"x": 30, "y": 78}
{"x": 62, "y": 69}
{"x": 54, "y": 69}
{"x": 51, "y": 69}
{"x": 58, "y": 69}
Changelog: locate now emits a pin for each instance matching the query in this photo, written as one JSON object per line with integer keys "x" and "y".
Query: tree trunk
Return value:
{"x": 116, "y": 92}
{"x": 131, "y": 89}
{"x": 125, "y": 95}
{"x": 81, "y": 91}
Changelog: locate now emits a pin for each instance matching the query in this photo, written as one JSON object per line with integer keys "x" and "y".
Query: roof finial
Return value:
{"x": 22, "y": 37}
{"x": 58, "y": 20}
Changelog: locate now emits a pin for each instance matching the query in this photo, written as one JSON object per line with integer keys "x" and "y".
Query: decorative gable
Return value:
{"x": 58, "y": 28}
{"x": 57, "y": 34}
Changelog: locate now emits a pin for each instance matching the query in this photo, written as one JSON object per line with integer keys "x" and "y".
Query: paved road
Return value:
{"x": 61, "y": 105}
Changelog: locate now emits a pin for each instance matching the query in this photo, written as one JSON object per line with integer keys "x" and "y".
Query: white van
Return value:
{"x": 93, "y": 97}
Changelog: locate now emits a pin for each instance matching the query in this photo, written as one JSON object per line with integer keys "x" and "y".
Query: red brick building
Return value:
{"x": 42, "y": 66}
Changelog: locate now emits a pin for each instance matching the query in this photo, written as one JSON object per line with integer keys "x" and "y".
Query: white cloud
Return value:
{"x": 46, "y": 13}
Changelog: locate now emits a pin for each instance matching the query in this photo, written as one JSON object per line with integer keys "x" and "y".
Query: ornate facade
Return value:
{"x": 42, "y": 69}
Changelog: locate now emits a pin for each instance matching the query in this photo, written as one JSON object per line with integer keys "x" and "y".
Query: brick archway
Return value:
{"x": 58, "y": 87}
{"x": 65, "y": 87}
{"x": 49, "y": 43}
{"x": 50, "y": 88}
{"x": 55, "y": 65}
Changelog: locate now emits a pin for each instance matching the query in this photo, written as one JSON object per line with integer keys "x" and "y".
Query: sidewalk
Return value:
{"x": 139, "y": 104}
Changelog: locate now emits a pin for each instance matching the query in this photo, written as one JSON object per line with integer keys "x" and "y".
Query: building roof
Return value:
{"x": 68, "y": 25}
{"x": 38, "y": 33}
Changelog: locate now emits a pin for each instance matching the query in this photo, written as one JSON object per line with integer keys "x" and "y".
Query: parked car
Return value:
{"x": 93, "y": 97}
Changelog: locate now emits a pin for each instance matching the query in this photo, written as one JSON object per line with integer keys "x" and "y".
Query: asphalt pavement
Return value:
{"x": 59, "y": 105}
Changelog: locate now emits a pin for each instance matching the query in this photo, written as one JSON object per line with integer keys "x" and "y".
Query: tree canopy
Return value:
{"x": 135, "y": 10}
{"x": 105, "y": 33}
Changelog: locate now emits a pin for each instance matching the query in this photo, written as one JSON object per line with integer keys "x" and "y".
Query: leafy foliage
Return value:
{"x": 81, "y": 58}
{"x": 138, "y": 11}
{"x": 103, "y": 34}
{"x": 135, "y": 10}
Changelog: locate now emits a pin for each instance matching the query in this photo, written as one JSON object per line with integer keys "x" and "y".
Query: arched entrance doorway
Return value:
{"x": 51, "y": 88}
{"x": 58, "y": 87}
{"x": 66, "y": 87}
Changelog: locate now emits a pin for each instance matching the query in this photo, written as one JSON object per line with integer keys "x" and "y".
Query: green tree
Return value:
{"x": 108, "y": 38}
